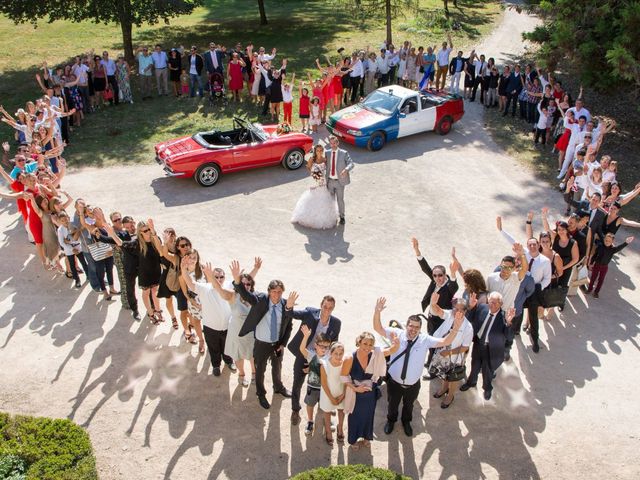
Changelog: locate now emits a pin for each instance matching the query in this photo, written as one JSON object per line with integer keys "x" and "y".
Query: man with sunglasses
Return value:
{"x": 405, "y": 366}
{"x": 441, "y": 284}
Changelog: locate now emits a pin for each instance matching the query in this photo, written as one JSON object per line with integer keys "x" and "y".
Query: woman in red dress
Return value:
{"x": 236, "y": 81}
{"x": 563, "y": 142}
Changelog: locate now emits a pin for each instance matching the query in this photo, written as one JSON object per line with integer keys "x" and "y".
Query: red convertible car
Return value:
{"x": 207, "y": 155}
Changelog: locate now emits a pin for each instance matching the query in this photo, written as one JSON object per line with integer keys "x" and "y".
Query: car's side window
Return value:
{"x": 426, "y": 102}
{"x": 410, "y": 105}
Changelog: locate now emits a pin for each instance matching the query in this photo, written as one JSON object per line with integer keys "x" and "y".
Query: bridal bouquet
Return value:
{"x": 318, "y": 175}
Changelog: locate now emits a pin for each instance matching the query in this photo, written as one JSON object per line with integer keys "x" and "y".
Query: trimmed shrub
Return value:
{"x": 51, "y": 449}
{"x": 349, "y": 472}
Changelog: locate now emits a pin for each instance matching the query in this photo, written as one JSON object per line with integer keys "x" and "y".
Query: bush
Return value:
{"x": 12, "y": 468}
{"x": 349, "y": 472}
{"x": 50, "y": 449}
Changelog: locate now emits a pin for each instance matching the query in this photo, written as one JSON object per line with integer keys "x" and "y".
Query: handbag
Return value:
{"x": 554, "y": 296}
{"x": 582, "y": 277}
{"x": 107, "y": 94}
{"x": 173, "y": 279}
{"x": 100, "y": 250}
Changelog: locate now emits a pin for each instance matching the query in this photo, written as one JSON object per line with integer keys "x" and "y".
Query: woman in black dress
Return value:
{"x": 175, "y": 69}
{"x": 147, "y": 246}
{"x": 170, "y": 277}
{"x": 567, "y": 248}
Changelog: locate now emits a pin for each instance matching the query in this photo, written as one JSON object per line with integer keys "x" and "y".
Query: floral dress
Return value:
{"x": 122, "y": 77}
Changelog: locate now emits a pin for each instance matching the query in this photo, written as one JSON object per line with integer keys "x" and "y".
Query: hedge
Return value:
{"x": 33, "y": 448}
{"x": 349, "y": 472}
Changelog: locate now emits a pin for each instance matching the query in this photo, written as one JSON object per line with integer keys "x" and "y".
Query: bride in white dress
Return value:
{"x": 316, "y": 208}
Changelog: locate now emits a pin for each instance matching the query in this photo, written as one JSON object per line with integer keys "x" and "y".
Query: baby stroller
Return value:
{"x": 216, "y": 88}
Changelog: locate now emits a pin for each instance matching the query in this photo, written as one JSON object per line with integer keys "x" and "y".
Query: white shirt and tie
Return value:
{"x": 486, "y": 327}
{"x": 214, "y": 58}
{"x": 268, "y": 329}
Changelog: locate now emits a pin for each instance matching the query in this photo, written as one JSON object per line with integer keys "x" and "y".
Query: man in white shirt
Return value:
{"x": 443, "y": 63}
{"x": 382, "y": 66}
{"x": 579, "y": 110}
{"x": 110, "y": 69}
{"x": 540, "y": 268}
{"x": 405, "y": 366}
{"x": 355, "y": 76}
{"x": 480, "y": 69}
{"x": 161, "y": 69}
{"x": 506, "y": 281}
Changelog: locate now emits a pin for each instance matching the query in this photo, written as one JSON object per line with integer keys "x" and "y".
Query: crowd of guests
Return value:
{"x": 246, "y": 329}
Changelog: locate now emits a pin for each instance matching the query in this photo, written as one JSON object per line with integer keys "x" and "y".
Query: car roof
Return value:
{"x": 398, "y": 91}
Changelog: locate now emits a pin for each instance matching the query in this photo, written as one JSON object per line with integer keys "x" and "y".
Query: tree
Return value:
{"x": 372, "y": 9}
{"x": 125, "y": 13}
{"x": 263, "y": 13}
{"x": 599, "y": 37}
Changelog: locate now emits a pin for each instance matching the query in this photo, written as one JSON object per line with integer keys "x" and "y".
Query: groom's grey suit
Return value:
{"x": 336, "y": 187}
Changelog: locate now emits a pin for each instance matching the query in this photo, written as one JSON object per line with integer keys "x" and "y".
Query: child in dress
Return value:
{"x": 287, "y": 99}
{"x": 314, "y": 119}
{"x": 332, "y": 394}
{"x": 303, "y": 107}
{"x": 322, "y": 342}
{"x": 184, "y": 81}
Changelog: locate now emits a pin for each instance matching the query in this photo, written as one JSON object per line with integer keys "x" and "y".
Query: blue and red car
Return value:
{"x": 393, "y": 112}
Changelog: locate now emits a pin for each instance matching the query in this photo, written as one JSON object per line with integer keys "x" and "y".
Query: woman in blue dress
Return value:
{"x": 360, "y": 373}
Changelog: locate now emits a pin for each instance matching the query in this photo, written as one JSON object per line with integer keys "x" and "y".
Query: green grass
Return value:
{"x": 44, "y": 449}
{"x": 300, "y": 30}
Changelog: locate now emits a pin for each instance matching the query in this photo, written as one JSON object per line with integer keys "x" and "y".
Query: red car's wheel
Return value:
{"x": 444, "y": 126}
{"x": 207, "y": 175}
{"x": 293, "y": 159}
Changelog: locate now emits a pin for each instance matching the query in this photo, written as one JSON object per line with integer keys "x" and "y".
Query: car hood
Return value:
{"x": 356, "y": 117}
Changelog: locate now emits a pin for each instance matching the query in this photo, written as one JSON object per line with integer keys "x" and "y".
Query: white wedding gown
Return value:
{"x": 316, "y": 208}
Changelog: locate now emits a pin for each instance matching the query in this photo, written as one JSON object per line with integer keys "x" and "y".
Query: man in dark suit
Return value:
{"x": 213, "y": 59}
{"x": 490, "y": 331}
{"x": 319, "y": 320}
{"x": 513, "y": 89}
{"x": 270, "y": 320}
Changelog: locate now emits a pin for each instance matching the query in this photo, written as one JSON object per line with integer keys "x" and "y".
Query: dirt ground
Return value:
{"x": 154, "y": 411}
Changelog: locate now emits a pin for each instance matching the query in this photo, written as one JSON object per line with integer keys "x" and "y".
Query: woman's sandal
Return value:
{"x": 174, "y": 323}
{"x": 440, "y": 394}
{"x": 201, "y": 347}
{"x": 68, "y": 274}
{"x": 190, "y": 338}
{"x": 152, "y": 318}
{"x": 329, "y": 441}
{"x": 158, "y": 315}
{"x": 340, "y": 438}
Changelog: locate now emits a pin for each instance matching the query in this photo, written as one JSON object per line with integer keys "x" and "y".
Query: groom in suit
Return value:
{"x": 339, "y": 164}
{"x": 490, "y": 330}
{"x": 319, "y": 320}
{"x": 270, "y": 320}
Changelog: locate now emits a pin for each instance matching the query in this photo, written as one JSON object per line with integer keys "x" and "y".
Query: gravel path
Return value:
{"x": 153, "y": 411}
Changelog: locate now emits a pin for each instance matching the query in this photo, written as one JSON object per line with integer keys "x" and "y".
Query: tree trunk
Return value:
{"x": 446, "y": 8}
{"x": 127, "y": 40}
{"x": 263, "y": 13}
{"x": 388, "y": 10}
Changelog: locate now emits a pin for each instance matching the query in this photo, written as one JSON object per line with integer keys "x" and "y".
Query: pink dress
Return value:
{"x": 235, "y": 72}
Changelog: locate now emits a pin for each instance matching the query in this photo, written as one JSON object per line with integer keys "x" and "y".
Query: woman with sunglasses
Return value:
{"x": 236, "y": 347}
{"x": 148, "y": 247}
{"x": 190, "y": 273}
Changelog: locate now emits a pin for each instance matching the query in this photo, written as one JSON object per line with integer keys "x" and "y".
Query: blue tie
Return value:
{"x": 274, "y": 325}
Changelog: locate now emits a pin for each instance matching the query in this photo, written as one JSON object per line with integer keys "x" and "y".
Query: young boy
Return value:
{"x": 599, "y": 261}
{"x": 542, "y": 125}
{"x": 313, "y": 357}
